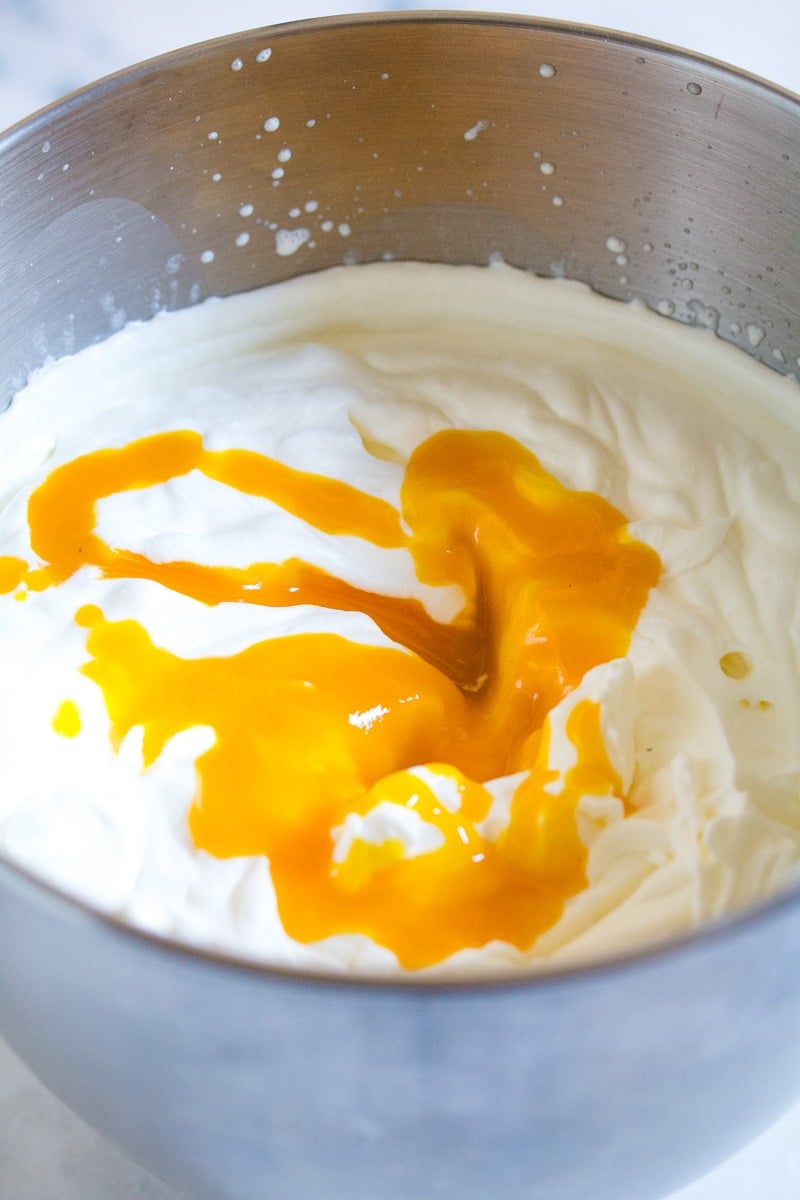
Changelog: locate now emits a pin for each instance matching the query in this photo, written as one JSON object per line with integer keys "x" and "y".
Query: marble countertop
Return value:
{"x": 48, "y": 48}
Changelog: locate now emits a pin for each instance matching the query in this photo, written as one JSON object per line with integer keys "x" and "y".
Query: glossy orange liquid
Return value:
{"x": 12, "y": 572}
{"x": 311, "y": 728}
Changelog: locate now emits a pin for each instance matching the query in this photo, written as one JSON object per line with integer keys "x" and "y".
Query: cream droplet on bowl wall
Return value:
{"x": 477, "y": 128}
{"x": 289, "y": 241}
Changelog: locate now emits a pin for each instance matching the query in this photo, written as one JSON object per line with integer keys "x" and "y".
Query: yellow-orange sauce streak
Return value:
{"x": 310, "y": 728}
{"x": 12, "y": 572}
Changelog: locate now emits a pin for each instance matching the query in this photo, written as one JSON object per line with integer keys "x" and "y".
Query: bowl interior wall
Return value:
{"x": 641, "y": 170}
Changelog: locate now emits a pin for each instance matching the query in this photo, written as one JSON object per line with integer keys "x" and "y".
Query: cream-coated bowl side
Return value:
{"x": 644, "y": 171}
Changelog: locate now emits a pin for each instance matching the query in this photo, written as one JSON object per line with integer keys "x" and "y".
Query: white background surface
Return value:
{"x": 50, "y": 47}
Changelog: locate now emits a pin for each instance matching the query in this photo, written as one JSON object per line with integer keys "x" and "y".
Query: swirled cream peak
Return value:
{"x": 401, "y": 641}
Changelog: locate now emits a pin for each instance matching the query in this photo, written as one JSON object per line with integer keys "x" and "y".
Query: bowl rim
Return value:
{"x": 539, "y": 973}
{"x": 578, "y": 29}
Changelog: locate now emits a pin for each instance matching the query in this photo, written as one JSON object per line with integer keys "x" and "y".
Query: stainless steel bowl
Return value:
{"x": 423, "y": 136}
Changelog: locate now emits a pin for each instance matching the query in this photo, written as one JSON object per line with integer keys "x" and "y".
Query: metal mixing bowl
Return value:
{"x": 671, "y": 179}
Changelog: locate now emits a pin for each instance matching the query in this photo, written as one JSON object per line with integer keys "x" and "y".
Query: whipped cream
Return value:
{"x": 345, "y": 374}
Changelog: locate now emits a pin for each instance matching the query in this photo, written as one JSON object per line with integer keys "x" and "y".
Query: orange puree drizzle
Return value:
{"x": 12, "y": 572}
{"x": 311, "y": 728}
